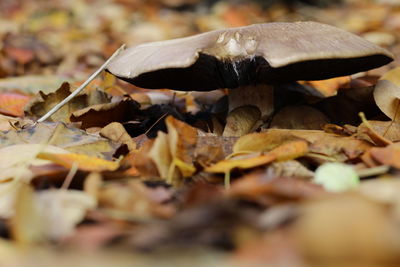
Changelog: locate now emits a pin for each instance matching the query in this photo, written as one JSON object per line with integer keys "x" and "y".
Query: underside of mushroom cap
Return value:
{"x": 263, "y": 53}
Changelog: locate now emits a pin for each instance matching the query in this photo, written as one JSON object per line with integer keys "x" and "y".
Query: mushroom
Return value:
{"x": 250, "y": 60}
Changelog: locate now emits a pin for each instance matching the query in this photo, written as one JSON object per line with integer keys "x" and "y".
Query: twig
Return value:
{"x": 70, "y": 176}
{"x": 77, "y": 91}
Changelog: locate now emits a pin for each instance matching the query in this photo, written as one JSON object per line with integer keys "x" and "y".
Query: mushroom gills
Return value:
{"x": 208, "y": 73}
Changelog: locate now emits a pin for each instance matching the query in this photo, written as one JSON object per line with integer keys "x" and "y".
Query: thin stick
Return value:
{"x": 77, "y": 91}
{"x": 70, "y": 176}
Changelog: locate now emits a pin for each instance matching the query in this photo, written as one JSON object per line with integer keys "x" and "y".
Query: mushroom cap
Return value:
{"x": 267, "y": 53}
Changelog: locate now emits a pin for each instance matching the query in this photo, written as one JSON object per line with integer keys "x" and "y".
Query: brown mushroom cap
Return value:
{"x": 267, "y": 53}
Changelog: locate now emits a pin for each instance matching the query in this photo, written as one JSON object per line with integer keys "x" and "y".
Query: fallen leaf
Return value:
{"x": 136, "y": 200}
{"x": 290, "y": 168}
{"x": 6, "y": 122}
{"x": 102, "y": 114}
{"x": 116, "y": 132}
{"x": 83, "y": 162}
{"x": 328, "y": 87}
{"x": 386, "y": 95}
{"x": 260, "y": 142}
{"x": 17, "y": 159}
{"x": 286, "y": 151}
{"x": 392, "y": 76}
{"x": 27, "y": 227}
{"x": 58, "y": 134}
{"x": 347, "y": 227}
{"x": 182, "y": 140}
{"x": 43, "y": 103}
{"x": 161, "y": 155}
{"x": 13, "y": 104}
{"x": 389, "y": 155}
{"x": 258, "y": 184}
{"x": 299, "y": 117}
{"x": 32, "y": 84}
{"x": 389, "y": 130}
{"x": 241, "y": 121}
{"x": 61, "y": 210}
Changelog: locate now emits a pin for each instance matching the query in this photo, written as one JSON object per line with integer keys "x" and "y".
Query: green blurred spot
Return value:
{"x": 336, "y": 177}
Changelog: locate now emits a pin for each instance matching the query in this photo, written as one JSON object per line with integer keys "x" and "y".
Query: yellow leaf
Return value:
{"x": 288, "y": 150}
{"x": 85, "y": 163}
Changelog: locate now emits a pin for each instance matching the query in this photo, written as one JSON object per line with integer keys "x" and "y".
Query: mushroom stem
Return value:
{"x": 248, "y": 105}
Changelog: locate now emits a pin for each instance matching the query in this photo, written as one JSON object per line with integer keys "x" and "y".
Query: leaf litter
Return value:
{"x": 121, "y": 170}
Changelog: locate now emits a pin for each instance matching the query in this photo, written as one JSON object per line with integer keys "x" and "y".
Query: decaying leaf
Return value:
{"x": 61, "y": 210}
{"x": 390, "y": 130}
{"x": 13, "y": 104}
{"x": 18, "y": 159}
{"x": 48, "y": 214}
{"x": 286, "y": 151}
{"x": 160, "y": 154}
{"x": 60, "y": 135}
{"x": 290, "y": 168}
{"x": 102, "y": 114}
{"x": 258, "y": 184}
{"x": 43, "y": 103}
{"x": 392, "y": 76}
{"x": 27, "y": 227}
{"x": 260, "y": 142}
{"x": 116, "y": 132}
{"x": 299, "y": 117}
{"x": 182, "y": 140}
{"x": 83, "y": 162}
{"x": 241, "y": 121}
{"x": 387, "y": 97}
{"x": 389, "y": 155}
{"x": 347, "y": 227}
{"x": 32, "y": 84}
{"x": 6, "y": 122}
{"x": 135, "y": 200}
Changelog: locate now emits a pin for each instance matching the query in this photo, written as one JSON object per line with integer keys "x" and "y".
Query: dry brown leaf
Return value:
{"x": 389, "y": 155}
{"x": 136, "y": 200}
{"x": 260, "y": 142}
{"x": 13, "y": 104}
{"x": 17, "y": 158}
{"x": 255, "y": 184}
{"x": 102, "y": 114}
{"x": 299, "y": 117}
{"x": 389, "y": 130}
{"x": 331, "y": 145}
{"x": 31, "y": 84}
{"x": 393, "y": 76}
{"x": 44, "y": 102}
{"x": 286, "y": 151}
{"x": 367, "y": 132}
{"x": 61, "y": 210}
{"x": 58, "y": 134}
{"x": 290, "y": 168}
{"x": 241, "y": 121}
{"x": 347, "y": 227}
{"x": 161, "y": 155}
{"x": 182, "y": 140}
{"x": 116, "y": 132}
{"x": 6, "y": 122}
{"x": 387, "y": 98}
{"x": 27, "y": 227}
